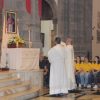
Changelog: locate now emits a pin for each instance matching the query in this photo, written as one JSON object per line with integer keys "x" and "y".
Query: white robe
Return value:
{"x": 69, "y": 52}
{"x": 58, "y": 78}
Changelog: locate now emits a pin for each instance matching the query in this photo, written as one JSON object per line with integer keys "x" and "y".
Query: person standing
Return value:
{"x": 69, "y": 53}
{"x": 58, "y": 75}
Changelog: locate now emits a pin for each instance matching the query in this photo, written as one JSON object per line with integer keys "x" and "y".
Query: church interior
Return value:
{"x": 28, "y": 29}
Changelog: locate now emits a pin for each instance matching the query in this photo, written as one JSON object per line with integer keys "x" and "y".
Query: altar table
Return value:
{"x": 20, "y": 58}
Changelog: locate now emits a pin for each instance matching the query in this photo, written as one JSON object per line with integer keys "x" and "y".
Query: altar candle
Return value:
{"x": 29, "y": 37}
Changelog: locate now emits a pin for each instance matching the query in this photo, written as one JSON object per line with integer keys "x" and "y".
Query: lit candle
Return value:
{"x": 29, "y": 37}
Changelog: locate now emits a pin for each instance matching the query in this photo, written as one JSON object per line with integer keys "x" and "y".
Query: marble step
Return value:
{"x": 23, "y": 95}
{"x": 7, "y": 74}
{"x": 9, "y": 81}
{"x": 43, "y": 91}
{"x": 15, "y": 86}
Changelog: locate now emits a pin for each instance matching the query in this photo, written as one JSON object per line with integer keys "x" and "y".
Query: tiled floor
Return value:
{"x": 86, "y": 94}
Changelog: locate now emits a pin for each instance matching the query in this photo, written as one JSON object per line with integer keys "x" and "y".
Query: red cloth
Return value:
{"x": 40, "y": 7}
{"x": 1, "y": 4}
{"x": 28, "y": 6}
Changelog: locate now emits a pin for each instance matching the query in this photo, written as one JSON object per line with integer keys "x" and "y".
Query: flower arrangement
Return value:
{"x": 16, "y": 40}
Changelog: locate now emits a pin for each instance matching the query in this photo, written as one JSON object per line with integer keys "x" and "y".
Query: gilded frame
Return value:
{"x": 10, "y": 22}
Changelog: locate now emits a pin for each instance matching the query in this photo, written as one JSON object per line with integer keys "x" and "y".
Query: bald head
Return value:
{"x": 68, "y": 40}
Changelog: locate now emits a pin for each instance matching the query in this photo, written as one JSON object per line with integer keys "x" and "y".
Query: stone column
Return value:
{"x": 60, "y": 18}
{"x": 35, "y": 35}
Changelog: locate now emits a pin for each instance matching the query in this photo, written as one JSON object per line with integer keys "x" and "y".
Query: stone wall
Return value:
{"x": 75, "y": 20}
{"x": 24, "y": 19}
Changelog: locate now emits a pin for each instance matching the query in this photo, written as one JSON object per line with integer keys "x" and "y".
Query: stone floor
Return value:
{"x": 86, "y": 94}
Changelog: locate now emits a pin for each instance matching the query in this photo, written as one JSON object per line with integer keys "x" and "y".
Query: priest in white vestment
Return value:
{"x": 69, "y": 52}
{"x": 58, "y": 75}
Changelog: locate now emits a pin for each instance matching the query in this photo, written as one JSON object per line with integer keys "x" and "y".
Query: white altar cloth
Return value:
{"x": 20, "y": 58}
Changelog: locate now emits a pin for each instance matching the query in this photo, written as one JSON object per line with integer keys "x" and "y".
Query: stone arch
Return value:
{"x": 53, "y": 6}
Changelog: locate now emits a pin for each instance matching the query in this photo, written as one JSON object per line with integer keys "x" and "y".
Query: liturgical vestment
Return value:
{"x": 58, "y": 79}
{"x": 69, "y": 52}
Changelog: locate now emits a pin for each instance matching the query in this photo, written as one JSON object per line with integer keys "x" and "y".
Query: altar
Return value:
{"x": 20, "y": 58}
